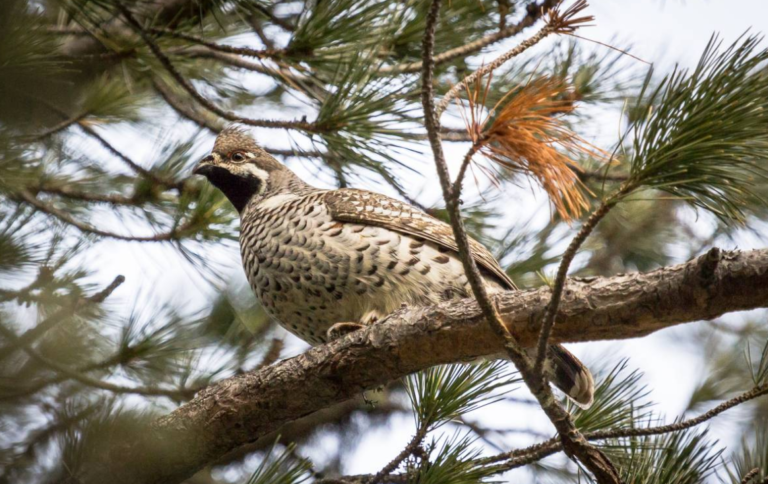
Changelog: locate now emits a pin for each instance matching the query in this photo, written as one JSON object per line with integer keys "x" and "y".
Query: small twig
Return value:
{"x": 558, "y": 23}
{"x": 750, "y": 475}
{"x": 272, "y": 17}
{"x": 186, "y": 110}
{"x": 548, "y": 320}
{"x": 404, "y": 454}
{"x": 125, "y": 159}
{"x": 533, "y": 14}
{"x": 255, "y": 22}
{"x": 432, "y": 124}
{"x": 463, "y": 169}
{"x": 574, "y": 443}
{"x": 205, "y": 120}
{"x": 272, "y": 354}
{"x": 60, "y": 127}
{"x": 495, "y": 64}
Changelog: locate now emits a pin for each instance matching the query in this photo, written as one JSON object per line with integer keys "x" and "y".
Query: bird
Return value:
{"x": 326, "y": 262}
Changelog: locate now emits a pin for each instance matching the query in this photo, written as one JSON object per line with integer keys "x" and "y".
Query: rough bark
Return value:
{"x": 244, "y": 408}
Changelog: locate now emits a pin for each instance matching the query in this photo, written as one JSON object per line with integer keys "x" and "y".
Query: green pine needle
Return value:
{"x": 619, "y": 401}
{"x": 706, "y": 138}
{"x": 443, "y": 393}
{"x": 453, "y": 463}
{"x": 679, "y": 458}
{"x": 759, "y": 371}
{"x": 284, "y": 468}
{"x": 752, "y": 455}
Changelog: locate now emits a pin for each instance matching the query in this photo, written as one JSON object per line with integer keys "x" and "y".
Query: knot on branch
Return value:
{"x": 704, "y": 278}
{"x": 708, "y": 264}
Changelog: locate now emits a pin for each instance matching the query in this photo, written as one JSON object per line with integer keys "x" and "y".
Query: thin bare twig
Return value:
{"x": 548, "y": 320}
{"x": 409, "y": 449}
{"x": 125, "y": 159}
{"x": 565, "y": 23}
{"x": 534, "y": 13}
{"x": 66, "y": 192}
{"x": 495, "y": 64}
{"x": 60, "y": 127}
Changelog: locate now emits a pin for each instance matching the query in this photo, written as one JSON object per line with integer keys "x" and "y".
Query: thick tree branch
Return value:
{"x": 241, "y": 409}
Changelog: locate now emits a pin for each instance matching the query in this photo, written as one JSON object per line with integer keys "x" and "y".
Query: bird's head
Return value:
{"x": 240, "y": 168}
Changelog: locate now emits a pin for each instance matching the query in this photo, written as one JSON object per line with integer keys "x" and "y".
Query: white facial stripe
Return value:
{"x": 277, "y": 200}
{"x": 256, "y": 171}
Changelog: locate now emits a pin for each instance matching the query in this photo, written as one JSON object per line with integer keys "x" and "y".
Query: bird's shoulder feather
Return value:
{"x": 370, "y": 208}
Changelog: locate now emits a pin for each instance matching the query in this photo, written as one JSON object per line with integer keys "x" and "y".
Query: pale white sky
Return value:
{"x": 659, "y": 31}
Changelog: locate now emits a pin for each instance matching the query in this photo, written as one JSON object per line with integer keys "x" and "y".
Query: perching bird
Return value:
{"x": 326, "y": 262}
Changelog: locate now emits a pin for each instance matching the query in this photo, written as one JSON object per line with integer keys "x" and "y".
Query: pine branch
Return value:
{"x": 556, "y": 23}
{"x": 176, "y": 395}
{"x": 207, "y": 104}
{"x": 175, "y": 234}
{"x": 240, "y": 409}
{"x": 228, "y": 49}
{"x": 210, "y": 123}
{"x": 64, "y": 312}
{"x": 520, "y": 457}
{"x": 66, "y": 192}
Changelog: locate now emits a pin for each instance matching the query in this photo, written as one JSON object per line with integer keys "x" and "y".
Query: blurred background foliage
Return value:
{"x": 101, "y": 120}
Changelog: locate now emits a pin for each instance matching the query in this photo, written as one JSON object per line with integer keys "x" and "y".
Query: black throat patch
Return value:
{"x": 239, "y": 190}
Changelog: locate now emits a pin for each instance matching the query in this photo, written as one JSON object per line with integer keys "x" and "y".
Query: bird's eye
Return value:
{"x": 238, "y": 156}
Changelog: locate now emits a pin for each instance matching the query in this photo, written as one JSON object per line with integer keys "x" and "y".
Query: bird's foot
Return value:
{"x": 339, "y": 330}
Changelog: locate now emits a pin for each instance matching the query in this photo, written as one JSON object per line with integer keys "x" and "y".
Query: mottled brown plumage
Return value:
{"x": 326, "y": 261}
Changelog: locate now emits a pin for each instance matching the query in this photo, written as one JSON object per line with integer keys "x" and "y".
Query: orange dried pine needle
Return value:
{"x": 527, "y": 135}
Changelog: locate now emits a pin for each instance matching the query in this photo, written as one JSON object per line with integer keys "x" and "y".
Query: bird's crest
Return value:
{"x": 235, "y": 137}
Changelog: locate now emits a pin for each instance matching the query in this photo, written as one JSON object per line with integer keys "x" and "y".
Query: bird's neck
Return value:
{"x": 281, "y": 184}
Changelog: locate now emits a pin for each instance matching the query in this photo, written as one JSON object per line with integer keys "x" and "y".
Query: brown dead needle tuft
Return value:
{"x": 525, "y": 133}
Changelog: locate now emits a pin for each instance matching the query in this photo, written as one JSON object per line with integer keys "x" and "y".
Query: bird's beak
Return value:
{"x": 205, "y": 167}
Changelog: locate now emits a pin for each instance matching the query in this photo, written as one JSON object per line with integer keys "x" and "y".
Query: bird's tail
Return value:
{"x": 570, "y": 375}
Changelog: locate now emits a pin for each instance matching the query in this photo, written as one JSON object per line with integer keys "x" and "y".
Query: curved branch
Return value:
{"x": 207, "y": 104}
{"x": 243, "y": 408}
{"x": 174, "y": 234}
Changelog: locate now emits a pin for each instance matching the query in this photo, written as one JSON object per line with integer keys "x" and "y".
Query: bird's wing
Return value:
{"x": 369, "y": 208}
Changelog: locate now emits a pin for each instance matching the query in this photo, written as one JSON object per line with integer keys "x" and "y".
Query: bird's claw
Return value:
{"x": 340, "y": 330}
